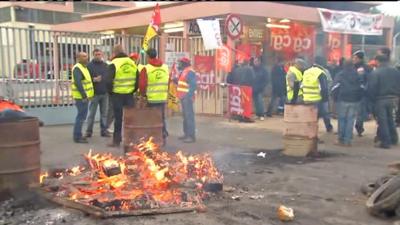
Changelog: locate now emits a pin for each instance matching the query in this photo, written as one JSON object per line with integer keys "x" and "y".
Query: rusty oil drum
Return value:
{"x": 19, "y": 154}
{"x": 141, "y": 122}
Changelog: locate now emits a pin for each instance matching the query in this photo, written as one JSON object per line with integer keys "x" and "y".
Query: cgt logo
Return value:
{"x": 297, "y": 44}
{"x": 206, "y": 80}
{"x": 235, "y": 101}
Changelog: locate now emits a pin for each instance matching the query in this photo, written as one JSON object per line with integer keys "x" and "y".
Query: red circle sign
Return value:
{"x": 233, "y": 26}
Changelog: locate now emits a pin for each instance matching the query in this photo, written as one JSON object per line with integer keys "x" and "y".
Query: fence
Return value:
{"x": 36, "y": 64}
{"x": 209, "y": 100}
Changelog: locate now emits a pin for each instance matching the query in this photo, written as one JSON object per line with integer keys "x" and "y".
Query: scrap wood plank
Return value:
{"x": 101, "y": 213}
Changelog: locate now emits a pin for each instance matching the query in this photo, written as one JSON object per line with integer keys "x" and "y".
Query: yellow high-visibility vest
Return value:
{"x": 299, "y": 77}
{"x": 86, "y": 83}
{"x": 311, "y": 86}
{"x": 157, "y": 83}
{"x": 125, "y": 75}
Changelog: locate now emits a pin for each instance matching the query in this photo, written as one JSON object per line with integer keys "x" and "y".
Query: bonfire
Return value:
{"x": 144, "y": 178}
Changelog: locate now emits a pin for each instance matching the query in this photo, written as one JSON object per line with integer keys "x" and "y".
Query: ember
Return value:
{"x": 145, "y": 178}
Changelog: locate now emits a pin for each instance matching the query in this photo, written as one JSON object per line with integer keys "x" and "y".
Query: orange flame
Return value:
{"x": 145, "y": 173}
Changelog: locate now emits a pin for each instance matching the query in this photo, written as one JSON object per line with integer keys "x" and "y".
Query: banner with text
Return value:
{"x": 240, "y": 100}
{"x": 211, "y": 33}
{"x": 348, "y": 22}
{"x": 204, "y": 67}
{"x": 298, "y": 39}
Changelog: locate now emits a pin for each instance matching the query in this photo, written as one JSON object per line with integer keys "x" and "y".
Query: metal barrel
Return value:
{"x": 141, "y": 122}
{"x": 19, "y": 154}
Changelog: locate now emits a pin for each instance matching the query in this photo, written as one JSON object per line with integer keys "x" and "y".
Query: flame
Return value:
{"x": 146, "y": 175}
{"x": 42, "y": 176}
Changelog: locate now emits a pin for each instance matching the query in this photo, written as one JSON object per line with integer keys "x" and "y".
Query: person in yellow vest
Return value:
{"x": 153, "y": 84}
{"x": 82, "y": 92}
{"x": 122, "y": 84}
{"x": 316, "y": 91}
{"x": 294, "y": 77}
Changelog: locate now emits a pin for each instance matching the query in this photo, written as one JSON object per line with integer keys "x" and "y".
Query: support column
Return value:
{"x": 124, "y": 33}
{"x": 186, "y": 47}
{"x": 56, "y": 68}
{"x": 345, "y": 41}
{"x": 163, "y": 46}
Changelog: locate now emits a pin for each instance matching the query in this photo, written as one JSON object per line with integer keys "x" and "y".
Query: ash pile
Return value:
{"x": 144, "y": 181}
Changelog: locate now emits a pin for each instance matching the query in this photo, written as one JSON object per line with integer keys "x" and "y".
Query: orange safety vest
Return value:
{"x": 183, "y": 86}
{"x": 4, "y": 104}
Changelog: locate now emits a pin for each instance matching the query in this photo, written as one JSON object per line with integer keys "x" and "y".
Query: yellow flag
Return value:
{"x": 153, "y": 27}
{"x": 173, "y": 101}
{"x": 149, "y": 35}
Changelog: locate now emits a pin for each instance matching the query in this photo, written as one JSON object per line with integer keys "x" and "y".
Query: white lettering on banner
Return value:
{"x": 235, "y": 101}
{"x": 205, "y": 80}
{"x": 285, "y": 41}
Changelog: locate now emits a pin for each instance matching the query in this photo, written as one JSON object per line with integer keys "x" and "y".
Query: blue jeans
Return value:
{"x": 82, "y": 108}
{"x": 189, "y": 127}
{"x": 347, "y": 112}
{"x": 387, "y": 132}
{"x": 323, "y": 111}
{"x": 362, "y": 115}
{"x": 272, "y": 103}
{"x": 97, "y": 100}
{"x": 258, "y": 100}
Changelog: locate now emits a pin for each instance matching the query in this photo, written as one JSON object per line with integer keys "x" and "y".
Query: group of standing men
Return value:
{"x": 117, "y": 84}
{"x": 357, "y": 90}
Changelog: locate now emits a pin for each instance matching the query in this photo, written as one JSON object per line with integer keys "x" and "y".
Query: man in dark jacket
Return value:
{"x": 98, "y": 71}
{"x": 363, "y": 70}
{"x": 384, "y": 90}
{"x": 278, "y": 77}
{"x": 123, "y": 82}
{"x": 260, "y": 81}
{"x": 349, "y": 96}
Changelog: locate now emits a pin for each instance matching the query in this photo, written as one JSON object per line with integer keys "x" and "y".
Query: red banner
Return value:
{"x": 334, "y": 47}
{"x": 204, "y": 67}
{"x": 246, "y": 51}
{"x": 240, "y": 100}
{"x": 296, "y": 39}
{"x": 223, "y": 59}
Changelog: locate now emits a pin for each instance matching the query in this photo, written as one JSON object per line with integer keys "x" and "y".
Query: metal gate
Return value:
{"x": 210, "y": 101}
{"x": 36, "y": 64}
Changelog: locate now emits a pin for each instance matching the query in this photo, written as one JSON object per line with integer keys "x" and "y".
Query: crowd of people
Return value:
{"x": 121, "y": 82}
{"x": 358, "y": 91}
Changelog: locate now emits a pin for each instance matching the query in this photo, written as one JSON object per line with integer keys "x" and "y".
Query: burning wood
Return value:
{"x": 145, "y": 179}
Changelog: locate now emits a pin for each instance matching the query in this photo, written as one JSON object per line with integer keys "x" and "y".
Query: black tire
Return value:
{"x": 370, "y": 188}
{"x": 385, "y": 199}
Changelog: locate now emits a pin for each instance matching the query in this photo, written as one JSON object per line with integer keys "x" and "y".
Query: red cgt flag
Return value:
{"x": 152, "y": 29}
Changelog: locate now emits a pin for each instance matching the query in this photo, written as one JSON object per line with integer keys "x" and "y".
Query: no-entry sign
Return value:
{"x": 233, "y": 26}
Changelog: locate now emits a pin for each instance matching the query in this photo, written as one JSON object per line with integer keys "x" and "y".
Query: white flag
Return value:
{"x": 211, "y": 33}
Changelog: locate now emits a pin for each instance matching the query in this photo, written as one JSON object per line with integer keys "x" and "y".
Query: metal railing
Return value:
{"x": 210, "y": 100}
{"x": 35, "y": 65}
